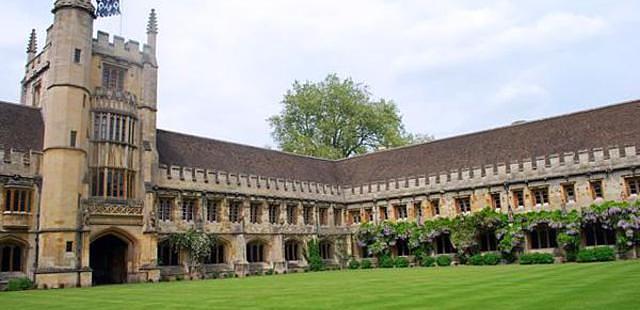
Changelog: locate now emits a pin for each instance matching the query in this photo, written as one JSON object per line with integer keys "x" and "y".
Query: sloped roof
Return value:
{"x": 191, "y": 151}
{"x": 602, "y": 127}
{"x": 21, "y": 127}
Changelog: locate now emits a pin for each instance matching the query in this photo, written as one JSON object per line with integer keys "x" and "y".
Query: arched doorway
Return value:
{"x": 108, "y": 260}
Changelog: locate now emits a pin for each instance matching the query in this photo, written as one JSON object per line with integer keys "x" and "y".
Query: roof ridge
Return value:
{"x": 18, "y": 105}
{"x": 525, "y": 123}
{"x": 247, "y": 145}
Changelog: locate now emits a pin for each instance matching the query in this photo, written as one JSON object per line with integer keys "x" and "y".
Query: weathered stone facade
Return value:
{"x": 91, "y": 188}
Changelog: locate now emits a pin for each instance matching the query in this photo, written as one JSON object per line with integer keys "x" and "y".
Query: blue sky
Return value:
{"x": 451, "y": 66}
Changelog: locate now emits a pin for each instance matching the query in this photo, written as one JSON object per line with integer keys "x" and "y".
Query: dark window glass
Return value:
{"x": 255, "y": 252}
{"x": 77, "y": 54}
{"x": 166, "y": 207}
{"x": 234, "y": 212}
{"x": 273, "y": 214}
{"x": 402, "y": 247}
{"x": 443, "y": 244}
{"x": 488, "y": 241}
{"x": 167, "y": 255}
{"x": 596, "y": 235}
{"x": 325, "y": 250}
{"x": 543, "y": 237}
{"x": 217, "y": 255}
{"x": 291, "y": 251}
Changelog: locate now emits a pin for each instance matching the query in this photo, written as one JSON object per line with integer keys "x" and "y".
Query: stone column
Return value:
{"x": 177, "y": 208}
{"x": 282, "y": 213}
{"x": 264, "y": 212}
{"x": 375, "y": 210}
{"x": 245, "y": 211}
{"x": 391, "y": 211}
{"x": 299, "y": 211}
{"x": 411, "y": 212}
{"x": 240, "y": 266}
{"x": 277, "y": 253}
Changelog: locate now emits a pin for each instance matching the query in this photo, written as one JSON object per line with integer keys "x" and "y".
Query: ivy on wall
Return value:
{"x": 464, "y": 230}
{"x": 197, "y": 244}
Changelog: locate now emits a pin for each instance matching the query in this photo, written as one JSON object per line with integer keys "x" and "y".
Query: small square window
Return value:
{"x": 633, "y": 186}
{"x": 463, "y": 204}
{"x": 518, "y": 198}
{"x": 69, "y": 246}
{"x": 596, "y": 188}
{"x": 435, "y": 206}
{"x": 541, "y": 196}
{"x": 401, "y": 212}
{"x": 569, "y": 192}
{"x": 496, "y": 202}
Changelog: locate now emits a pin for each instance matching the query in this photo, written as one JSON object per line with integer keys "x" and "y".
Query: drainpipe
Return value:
{"x": 36, "y": 262}
{"x": 79, "y": 244}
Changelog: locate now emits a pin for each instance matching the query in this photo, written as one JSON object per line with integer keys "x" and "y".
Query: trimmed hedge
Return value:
{"x": 427, "y": 261}
{"x": 386, "y": 262}
{"x": 443, "y": 260}
{"x": 488, "y": 259}
{"x": 401, "y": 262}
{"x": 366, "y": 264}
{"x": 354, "y": 264}
{"x": 476, "y": 260}
{"x": 599, "y": 254}
{"x": 491, "y": 259}
{"x": 536, "y": 258}
{"x": 19, "y": 284}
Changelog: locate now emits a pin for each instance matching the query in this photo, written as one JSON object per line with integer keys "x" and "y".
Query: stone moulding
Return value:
{"x": 112, "y": 208}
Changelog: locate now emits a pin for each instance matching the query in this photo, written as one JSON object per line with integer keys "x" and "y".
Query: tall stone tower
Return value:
{"x": 66, "y": 110}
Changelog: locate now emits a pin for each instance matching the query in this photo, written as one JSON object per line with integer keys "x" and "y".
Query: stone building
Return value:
{"x": 91, "y": 188}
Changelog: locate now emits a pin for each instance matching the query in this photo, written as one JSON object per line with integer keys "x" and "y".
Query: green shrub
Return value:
{"x": 401, "y": 262}
{"x": 366, "y": 264}
{"x": 443, "y": 260}
{"x": 536, "y": 258}
{"x": 315, "y": 260}
{"x": 354, "y": 264}
{"x": 491, "y": 259}
{"x": 19, "y": 284}
{"x": 385, "y": 261}
{"x": 599, "y": 254}
{"x": 427, "y": 261}
{"x": 476, "y": 260}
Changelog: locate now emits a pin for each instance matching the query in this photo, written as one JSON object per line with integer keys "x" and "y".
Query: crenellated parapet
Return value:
{"x": 188, "y": 178}
{"x": 18, "y": 162}
{"x": 129, "y": 51}
{"x": 498, "y": 175}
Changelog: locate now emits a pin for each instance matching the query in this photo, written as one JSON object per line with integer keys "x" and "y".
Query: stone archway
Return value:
{"x": 108, "y": 260}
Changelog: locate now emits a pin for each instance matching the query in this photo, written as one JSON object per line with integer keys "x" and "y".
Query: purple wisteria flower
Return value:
{"x": 386, "y": 231}
{"x": 614, "y": 211}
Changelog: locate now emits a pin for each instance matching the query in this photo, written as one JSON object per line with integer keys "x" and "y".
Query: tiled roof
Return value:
{"x": 21, "y": 127}
{"x": 190, "y": 151}
{"x": 598, "y": 128}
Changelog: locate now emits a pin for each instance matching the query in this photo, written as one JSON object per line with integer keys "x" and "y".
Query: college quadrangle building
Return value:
{"x": 91, "y": 188}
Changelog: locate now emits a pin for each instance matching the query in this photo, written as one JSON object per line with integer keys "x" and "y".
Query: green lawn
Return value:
{"x": 568, "y": 286}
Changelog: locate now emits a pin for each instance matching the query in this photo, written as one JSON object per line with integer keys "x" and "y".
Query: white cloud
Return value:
{"x": 461, "y": 65}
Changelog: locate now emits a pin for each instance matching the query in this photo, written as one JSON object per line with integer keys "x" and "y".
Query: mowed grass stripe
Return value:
{"x": 563, "y": 286}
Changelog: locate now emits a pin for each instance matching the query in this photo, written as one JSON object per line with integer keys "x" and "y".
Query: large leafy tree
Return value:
{"x": 337, "y": 118}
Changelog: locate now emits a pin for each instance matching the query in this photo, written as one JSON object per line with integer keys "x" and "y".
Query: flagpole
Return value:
{"x": 121, "y": 10}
